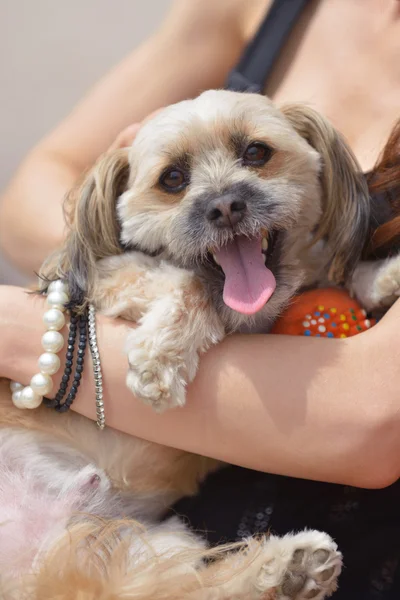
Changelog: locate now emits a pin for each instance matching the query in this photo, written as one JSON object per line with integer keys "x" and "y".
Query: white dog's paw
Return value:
{"x": 386, "y": 287}
{"x": 377, "y": 284}
{"x": 158, "y": 386}
{"x": 155, "y": 381}
{"x": 304, "y": 566}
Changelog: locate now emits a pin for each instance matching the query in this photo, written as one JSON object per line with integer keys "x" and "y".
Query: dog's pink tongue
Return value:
{"x": 248, "y": 282}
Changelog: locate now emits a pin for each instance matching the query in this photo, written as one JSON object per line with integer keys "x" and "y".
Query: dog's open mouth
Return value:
{"x": 249, "y": 283}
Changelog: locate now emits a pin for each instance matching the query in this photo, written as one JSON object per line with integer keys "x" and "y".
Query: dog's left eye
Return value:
{"x": 173, "y": 180}
{"x": 257, "y": 154}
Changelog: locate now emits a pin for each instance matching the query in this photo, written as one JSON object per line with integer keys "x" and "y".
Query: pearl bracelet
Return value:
{"x": 41, "y": 383}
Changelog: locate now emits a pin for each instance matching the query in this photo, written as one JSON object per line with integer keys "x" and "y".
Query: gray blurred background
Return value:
{"x": 51, "y": 52}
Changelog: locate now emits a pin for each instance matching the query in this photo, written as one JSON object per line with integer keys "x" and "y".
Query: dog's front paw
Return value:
{"x": 377, "y": 284}
{"x": 386, "y": 288}
{"x": 158, "y": 386}
{"x": 157, "y": 382}
{"x": 304, "y": 566}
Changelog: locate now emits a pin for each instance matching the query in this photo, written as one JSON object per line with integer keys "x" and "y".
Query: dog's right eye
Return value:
{"x": 257, "y": 154}
{"x": 173, "y": 180}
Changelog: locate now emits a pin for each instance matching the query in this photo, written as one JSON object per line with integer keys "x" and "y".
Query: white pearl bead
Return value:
{"x": 58, "y": 286}
{"x": 16, "y": 398}
{"x": 52, "y": 341}
{"x": 54, "y": 319}
{"x": 15, "y": 386}
{"x": 57, "y": 300}
{"x": 41, "y": 383}
{"x": 49, "y": 363}
{"x": 29, "y": 398}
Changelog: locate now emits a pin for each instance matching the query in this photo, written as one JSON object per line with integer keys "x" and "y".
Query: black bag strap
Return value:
{"x": 256, "y": 63}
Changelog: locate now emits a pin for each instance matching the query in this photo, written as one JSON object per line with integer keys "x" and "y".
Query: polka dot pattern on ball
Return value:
{"x": 333, "y": 322}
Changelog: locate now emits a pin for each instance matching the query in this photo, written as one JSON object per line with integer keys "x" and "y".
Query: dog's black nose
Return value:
{"x": 226, "y": 211}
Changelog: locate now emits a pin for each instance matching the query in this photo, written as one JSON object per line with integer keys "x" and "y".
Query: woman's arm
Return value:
{"x": 311, "y": 408}
{"x": 193, "y": 50}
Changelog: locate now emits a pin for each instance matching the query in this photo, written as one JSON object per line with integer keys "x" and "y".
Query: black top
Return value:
{"x": 258, "y": 59}
{"x": 236, "y": 502}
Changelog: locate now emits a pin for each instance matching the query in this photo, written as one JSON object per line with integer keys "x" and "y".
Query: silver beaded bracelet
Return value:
{"x": 98, "y": 377}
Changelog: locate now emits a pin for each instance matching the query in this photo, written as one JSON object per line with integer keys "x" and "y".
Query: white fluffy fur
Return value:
{"x": 80, "y": 516}
{"x": 377, "y": 284}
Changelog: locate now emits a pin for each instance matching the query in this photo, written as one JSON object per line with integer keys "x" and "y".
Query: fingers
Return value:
{"x": 127, "y": 135}
{"x": 151, "y": 116}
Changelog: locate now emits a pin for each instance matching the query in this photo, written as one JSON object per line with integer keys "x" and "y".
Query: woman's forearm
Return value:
{"x": 302, "y": 407}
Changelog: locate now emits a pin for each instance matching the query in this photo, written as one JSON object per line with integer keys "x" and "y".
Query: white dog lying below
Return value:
{"x": 69, "y": 531}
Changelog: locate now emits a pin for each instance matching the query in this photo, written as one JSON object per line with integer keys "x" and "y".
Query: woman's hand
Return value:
{"x": 127, "y": 135}
{"x": 21, "y": 328}
{"x": 313, "y": 408}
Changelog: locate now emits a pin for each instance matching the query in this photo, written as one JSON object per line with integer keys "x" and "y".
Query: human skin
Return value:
{"x": 332, "y": 416}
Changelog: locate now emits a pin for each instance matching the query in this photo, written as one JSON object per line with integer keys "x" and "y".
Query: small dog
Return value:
{"x": 220, "y": 212}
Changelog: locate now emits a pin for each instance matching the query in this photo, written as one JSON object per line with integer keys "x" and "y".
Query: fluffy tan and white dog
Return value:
{"x": 222, "y": 209}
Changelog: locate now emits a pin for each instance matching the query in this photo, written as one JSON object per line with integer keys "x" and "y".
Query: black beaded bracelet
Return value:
{"x": 76, "y": 321}
{"x": 80, "y": 359}
{"x": 68, "y": 364}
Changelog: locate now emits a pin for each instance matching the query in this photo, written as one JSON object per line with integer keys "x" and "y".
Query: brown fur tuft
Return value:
{"x": 94, "y": 229}
{"x": 385, "y": 179}
{"x": 345, "y": 195}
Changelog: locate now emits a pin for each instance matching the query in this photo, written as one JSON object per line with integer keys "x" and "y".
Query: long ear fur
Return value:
{"x": 90, "y": 211}
{"x": 345, "y": 197}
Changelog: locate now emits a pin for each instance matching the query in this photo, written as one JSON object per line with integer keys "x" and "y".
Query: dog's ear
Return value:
{"x": 90, "y": 212}
{"x": 345, "y": 197}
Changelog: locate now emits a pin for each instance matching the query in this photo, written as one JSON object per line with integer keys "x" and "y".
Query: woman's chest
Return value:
{"x": 343, "y": 59}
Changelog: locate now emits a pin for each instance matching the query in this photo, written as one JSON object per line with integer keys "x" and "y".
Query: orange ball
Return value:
{"x": 329, "y": 313}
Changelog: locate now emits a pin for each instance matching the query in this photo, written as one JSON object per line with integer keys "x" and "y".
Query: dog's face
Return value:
{"x": 231, "y": 186}
{"x": 206, "y": 171}
{"x": 216, "y": 181}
